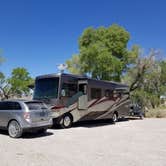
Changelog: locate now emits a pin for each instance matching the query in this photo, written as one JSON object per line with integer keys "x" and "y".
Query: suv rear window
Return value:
{"x": 36, "y": 105}
{"x": 7, "y": 105}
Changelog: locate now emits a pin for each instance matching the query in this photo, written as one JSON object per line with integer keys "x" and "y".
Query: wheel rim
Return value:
{"x": 114, "y": 118}
{"x": 14, "y": 129}
{"x": 67, "y": 121}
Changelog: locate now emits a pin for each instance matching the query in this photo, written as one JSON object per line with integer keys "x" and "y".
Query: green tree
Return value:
{"x": 141, "y": 68}
{"x": 163, "y": 73}
{"x": 3, "y": 83}
{"x": 74, "y": 65}
{"x": 3, "y": 87}
{"x": 20, "y": 80}
{"x": 146, "y": 79}
{"x": 1, "y": 57}
{"x": 103, "y": 53}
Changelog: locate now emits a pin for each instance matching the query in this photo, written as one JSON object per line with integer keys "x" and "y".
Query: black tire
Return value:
{"x": 115, "y": 117}
{"x": 141, "y": 117}
{"x": 66, "y": 121}
{"x": 14, "y": 129}
{"x": 56, "y": 122}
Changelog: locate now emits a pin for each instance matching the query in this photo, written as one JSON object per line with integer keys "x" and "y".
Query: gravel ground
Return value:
{"x": 127, "y": 143}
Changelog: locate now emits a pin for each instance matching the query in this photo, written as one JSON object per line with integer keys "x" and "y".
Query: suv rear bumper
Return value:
{"x": 39, "y": 125}
{"x": 36, "y": 128}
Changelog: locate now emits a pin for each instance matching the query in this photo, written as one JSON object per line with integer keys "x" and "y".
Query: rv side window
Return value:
{"x": 107, "y": 93}
{"x": 121, "y": 92}
{"x": 126, "y": 92}
{"x": 69, "y": 89}
{"x": 117, "y": 93}
{"x": 95, "y": 93}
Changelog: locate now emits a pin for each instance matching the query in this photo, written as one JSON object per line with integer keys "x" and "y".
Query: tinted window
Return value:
{"x": 121, "y": 92}
{"x": 70, "y": 89}
{"x": 1, "y": 106}
{"x": 36, "y": 105}
{"x": 16, "y": 106}
{"x": 10, "y": 106}
{"x": 95, "y": 93}
{"x": 83, "y": 88}
{"x": 107, "y": 93}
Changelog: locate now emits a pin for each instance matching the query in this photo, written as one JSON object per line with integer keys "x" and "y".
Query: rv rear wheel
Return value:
{"x": 115, "y": 117}
{"x": 66, "y": 121}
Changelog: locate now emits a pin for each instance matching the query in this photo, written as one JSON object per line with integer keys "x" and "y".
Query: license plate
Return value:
{"x": 42, "y": 114}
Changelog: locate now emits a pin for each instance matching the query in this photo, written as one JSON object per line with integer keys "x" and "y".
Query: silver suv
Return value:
{"x": 19, "y": 116}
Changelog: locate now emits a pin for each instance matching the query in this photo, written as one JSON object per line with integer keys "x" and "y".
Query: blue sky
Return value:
{"x": 39, "y": 34}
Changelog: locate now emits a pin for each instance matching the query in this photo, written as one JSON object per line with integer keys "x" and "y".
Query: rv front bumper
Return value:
{"x": 56, "y": 114}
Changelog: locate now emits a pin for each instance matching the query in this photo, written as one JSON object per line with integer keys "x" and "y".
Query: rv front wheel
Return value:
{"x": 66, "y": 121}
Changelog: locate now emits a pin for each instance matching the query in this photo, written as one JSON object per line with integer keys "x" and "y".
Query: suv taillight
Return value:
{"x": 27, "y": 116}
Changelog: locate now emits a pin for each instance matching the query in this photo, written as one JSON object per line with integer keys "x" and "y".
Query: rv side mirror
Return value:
{"x": 63, "y": 92}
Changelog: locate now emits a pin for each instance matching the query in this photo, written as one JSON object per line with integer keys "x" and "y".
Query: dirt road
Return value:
{"x": 127, "y": 143}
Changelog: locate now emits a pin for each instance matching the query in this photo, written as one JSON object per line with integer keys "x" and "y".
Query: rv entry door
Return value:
{"x": 83, "y": 99}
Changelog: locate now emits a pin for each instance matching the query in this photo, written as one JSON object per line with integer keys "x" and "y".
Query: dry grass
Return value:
{"x": 156, "y": 113}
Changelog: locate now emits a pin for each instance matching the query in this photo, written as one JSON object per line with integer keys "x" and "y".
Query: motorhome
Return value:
{"x": 75, "y": 98}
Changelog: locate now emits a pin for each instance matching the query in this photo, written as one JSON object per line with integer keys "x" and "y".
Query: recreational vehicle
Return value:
{"x": 75, "y": 98}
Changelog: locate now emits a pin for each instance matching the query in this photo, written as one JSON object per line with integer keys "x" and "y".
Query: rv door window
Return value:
{"x": 83, "y": 88}
{"x": 95, "y": 93}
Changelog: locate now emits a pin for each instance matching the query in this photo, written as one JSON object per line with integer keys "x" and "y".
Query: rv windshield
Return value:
{"x": 46, "y": 88}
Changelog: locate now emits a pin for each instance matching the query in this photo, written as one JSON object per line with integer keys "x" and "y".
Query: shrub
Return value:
{"x": 156, "y": 113}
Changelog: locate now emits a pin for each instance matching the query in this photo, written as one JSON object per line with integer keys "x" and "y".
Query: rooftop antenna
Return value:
{"x": 62, "y": 67}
